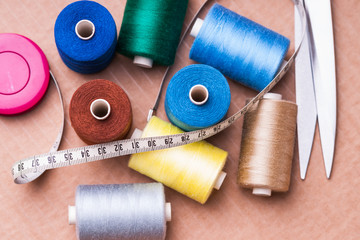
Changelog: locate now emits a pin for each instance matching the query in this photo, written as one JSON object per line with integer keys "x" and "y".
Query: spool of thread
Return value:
{"x": 120, "y": 211}
{"x": 24, "y": 74}
{"x": 150, "y": 31}
{"x": 267, "y": 146}
{"x": 193, "y": 169}
{"x": 240, "y": 48}
{"x": 85, "y": 36}
{"x": 100, "y": 111}
{"x": 198, "y": 96}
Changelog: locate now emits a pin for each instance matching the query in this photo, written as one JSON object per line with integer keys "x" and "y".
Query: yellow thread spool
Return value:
{"x": 193, "y": 170}
{"x": 267, "y": 146}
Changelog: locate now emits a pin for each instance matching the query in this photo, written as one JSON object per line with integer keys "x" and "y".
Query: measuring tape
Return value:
{"x": 28, "y": 169}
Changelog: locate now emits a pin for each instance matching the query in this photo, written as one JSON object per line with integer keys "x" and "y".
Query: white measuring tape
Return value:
{"x": 54, "y": 147}
{"x": 28, "y": 169}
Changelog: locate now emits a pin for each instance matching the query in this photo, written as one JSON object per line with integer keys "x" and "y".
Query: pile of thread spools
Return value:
{"x": 198, "y": 96}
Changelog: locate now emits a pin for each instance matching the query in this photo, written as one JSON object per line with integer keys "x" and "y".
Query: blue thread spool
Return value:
{"x": 240, "y": 48}
{"x": 85, "y": 35}
{"x": 198, "y": 96}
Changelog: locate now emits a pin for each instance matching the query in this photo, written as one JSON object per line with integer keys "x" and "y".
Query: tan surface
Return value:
{"x": 313, "y": 209}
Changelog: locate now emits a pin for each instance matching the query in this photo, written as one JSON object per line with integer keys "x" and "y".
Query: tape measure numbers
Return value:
{"x": 28, "y": 169}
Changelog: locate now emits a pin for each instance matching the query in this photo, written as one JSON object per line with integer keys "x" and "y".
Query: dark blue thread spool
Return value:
{"x": 85, "y": 35}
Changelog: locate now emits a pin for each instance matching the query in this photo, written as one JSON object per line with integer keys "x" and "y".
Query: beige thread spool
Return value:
{"x": 267, "y": 146}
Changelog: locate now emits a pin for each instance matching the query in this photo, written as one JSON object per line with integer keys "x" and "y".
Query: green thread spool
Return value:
{"x": 150, "y": 31}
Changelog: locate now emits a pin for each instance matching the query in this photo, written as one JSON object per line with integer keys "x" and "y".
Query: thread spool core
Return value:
{"x": 264, "y": 192}
{"x": 198, "y": 94}
{"x": 72, "y": 215}
{"x": 143, "y": 62}
{"x": 168, "y": 211}
{"x": 196, "y": 28}
{"x": 220, "y": 180}
{"x": 85, "y": 29}
{"x": 100, "y": 109}
{"x": 273, "y": 96}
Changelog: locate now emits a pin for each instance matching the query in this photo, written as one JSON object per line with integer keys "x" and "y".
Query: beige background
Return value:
{"x": 316, "y": 208}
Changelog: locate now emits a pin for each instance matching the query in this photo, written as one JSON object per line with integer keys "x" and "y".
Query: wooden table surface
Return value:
{"x": 316, "y": 208}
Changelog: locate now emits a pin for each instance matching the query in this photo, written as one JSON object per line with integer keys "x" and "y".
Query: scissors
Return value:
{"x": 316, "y": 83}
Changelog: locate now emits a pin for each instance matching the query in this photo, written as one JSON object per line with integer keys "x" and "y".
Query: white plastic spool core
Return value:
{"x": 273, "y": 96}
{"x": 85, "y": 29}
{"x": 100, "y": 109}
{"x": 198, "y": 94}
{"x": 196, "y": 28}
{"x": 265, "y": 192}
{"x": 168, "y": 212}
{"x": 143, "y": 62}
{"x": 220, "y": 180}
{"x": 72, "y": 215}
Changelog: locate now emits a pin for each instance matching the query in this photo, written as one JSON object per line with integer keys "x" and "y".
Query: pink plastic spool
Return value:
{"x": 24, "y": 74}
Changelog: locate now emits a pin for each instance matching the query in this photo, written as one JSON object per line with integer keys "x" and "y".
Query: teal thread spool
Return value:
{"x": 150, "y": 31}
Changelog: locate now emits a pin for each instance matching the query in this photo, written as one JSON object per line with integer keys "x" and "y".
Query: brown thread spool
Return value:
{"x": 100, "y": 111}
{"x": 267, "y": 146}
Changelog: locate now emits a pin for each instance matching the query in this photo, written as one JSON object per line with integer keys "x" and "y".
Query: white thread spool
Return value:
{"x": 143, "y": 62}
{"x": 100, "y": 109}
{"x": 266, "y": 192}
{"x": 198, "y": 94}
{"x": 85, "y": 29}
{"x": 220, "y": 179}
{"x": 120, "y": 211}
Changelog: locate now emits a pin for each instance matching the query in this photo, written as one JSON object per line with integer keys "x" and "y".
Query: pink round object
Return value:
{"x": 24, "y": 74}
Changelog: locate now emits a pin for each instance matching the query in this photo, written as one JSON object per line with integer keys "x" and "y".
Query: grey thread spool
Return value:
{"x": 120, "y": 211}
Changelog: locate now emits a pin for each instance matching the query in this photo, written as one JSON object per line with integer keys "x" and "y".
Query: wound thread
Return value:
{"x": 193, "y": 169}
{"x": 151, "y": 30}
{"x": 81, "y": 48}
{"x": 267, "y": 146}
{"x": 197, "y": 96}
{"x": 120, "y": 211}
{"x": 240, "y": 48}
{"x": 111, "y": 122}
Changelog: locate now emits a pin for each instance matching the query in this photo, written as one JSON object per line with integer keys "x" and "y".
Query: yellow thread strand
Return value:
{"x": 267, "y": 145}
{"x": 191, "y": 169}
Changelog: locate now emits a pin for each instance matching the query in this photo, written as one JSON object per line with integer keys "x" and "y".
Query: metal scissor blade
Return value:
{"x": 305, "y": 98}
{"x": 323, "y": 60}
